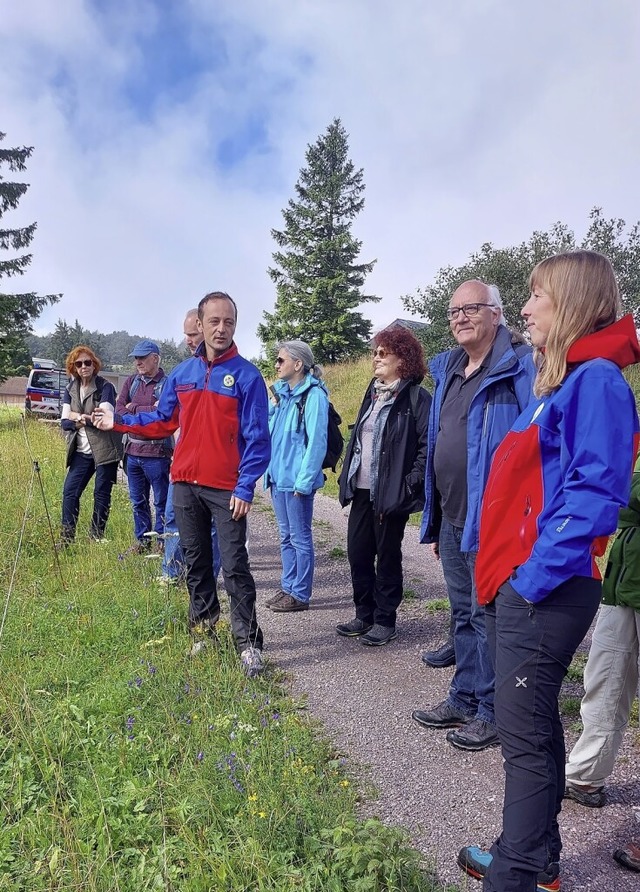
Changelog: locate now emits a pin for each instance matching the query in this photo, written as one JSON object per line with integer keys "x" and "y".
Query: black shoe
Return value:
{"x": 379, "y": 635}
{"x": 584, "y": 796}
{"x": 444, "y": 715}
{"x": 442, "y": 657}
{"x": 353, "y": 628}
{"x": 289, "y": 604}
{"x": 475, "y": 736}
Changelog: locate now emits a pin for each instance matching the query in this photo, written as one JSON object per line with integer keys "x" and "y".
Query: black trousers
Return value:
{"x": 195, "y": 507}
{"x": 374, "y": 549}
{"x": 532, "y": 646}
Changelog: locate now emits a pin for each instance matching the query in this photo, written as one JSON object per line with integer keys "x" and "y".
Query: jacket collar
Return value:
{"x": 617, "y": 343}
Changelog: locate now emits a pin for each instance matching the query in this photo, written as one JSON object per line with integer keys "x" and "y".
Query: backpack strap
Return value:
{"x": 301, "y": 405}
{"x": 414, "y": 392}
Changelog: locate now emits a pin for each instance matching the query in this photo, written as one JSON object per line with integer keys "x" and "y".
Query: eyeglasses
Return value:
{"x": 381, "y": 353}
{"x": 83, "y": 362}
{"x": 280, "y": 360}
{"x": 467, "y": 309}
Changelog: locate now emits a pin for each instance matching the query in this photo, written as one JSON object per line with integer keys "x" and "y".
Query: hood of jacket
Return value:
{"x": 617, "y": 343}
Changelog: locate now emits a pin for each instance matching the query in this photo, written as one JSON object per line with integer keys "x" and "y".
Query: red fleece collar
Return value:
{"x": 617, "y": 342}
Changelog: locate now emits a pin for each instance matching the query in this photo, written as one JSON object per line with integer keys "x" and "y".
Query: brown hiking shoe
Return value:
{"x": 289, "y": 604}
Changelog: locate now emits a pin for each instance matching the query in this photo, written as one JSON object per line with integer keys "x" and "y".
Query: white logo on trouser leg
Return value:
{"x": 521, "y": 682}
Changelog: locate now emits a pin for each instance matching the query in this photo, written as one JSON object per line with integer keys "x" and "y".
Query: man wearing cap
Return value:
{"x": 146, "y": 461}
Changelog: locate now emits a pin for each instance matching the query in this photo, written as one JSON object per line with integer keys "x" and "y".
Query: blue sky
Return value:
{"x": 169, "y": 136}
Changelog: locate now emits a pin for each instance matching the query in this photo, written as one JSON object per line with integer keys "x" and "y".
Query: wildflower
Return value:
{"x": 134, "y": 613}
{"x": 253, "y": 797}
{"x": 344, "y": 783}
{"x": 200, "y": 757}
{"x": 262, "y": 814}
{"x": 152, "y": 669}
{"x": 130, "y": 723}
{"x": 138, "y": 681}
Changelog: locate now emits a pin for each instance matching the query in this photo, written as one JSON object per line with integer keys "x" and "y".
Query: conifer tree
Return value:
{"x": 318, "y": 281}
{"x": 17, "y": 311}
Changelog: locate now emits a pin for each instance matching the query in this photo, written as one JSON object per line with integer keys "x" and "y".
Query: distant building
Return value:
{"x": 412, "y": 324}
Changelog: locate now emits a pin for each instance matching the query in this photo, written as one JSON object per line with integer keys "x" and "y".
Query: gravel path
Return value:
{"x": 364, "y": 696}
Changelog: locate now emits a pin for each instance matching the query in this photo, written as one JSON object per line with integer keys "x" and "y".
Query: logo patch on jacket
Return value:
{"x": 228, "y": 380}
{"x": 182, "y": 387}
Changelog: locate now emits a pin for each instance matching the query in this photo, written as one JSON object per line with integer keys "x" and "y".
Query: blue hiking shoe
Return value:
{"x": 475, "y": 862}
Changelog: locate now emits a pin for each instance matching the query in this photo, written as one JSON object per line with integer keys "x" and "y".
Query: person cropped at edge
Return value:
{"x": 383, "y": 479}
{"x": 556, "y": 485}
{"x": 219, "y": 402}
{"x": 298, "y": 447}
{"x": 89, "y": 450}
{"x": 613, "y": 668}
{"x": 481, "y": 386}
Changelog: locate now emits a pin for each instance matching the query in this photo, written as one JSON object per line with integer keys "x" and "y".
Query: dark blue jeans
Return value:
{"x": 533, "y": 645}
{"x": 143, "y": 474}
{"x": 81, "y": 470}
{"x": 472, "y": 685}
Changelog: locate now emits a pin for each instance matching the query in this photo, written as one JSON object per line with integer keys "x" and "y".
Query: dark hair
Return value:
{"x": 70, "y": 361}
{"x": 407, "y": 348}
{"x": 215, "y": 295}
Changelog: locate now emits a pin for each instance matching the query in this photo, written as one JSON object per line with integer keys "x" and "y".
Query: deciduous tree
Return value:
{"x": 509, "y": 269}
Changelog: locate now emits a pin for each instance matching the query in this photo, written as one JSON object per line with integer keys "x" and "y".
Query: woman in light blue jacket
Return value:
{"x": 298, "y": 426}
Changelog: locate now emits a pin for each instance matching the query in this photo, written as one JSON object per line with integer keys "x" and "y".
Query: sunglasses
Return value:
{"x": 83, "y": 362}
{"x": 381, "y": 353}
{"x": 280, "y": 360}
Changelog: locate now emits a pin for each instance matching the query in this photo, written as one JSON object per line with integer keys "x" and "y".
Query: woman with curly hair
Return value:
{"x": 383, "y": 480}
{"x": 89, "y": 450}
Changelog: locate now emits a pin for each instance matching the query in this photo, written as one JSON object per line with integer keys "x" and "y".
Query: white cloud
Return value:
{"x": 479, "y": 122}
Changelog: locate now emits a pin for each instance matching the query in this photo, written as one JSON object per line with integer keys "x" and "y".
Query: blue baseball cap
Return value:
{"x": 144, "y": 348}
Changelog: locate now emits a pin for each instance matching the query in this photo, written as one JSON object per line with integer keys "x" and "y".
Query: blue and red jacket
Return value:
{"x": 562, "y": 473}
{"x": 221, "y": 408}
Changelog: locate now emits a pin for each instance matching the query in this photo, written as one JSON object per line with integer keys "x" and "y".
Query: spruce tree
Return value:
{"x": 318, "y": 281}
{"x": 17, "y": 311}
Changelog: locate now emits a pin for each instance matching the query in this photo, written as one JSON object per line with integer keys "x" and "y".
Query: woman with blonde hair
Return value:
{"x": 552, "y": 499}
{"x": 89, "y": 450}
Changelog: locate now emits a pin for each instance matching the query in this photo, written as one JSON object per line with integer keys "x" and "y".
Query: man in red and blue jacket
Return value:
{"x": 219, "y": 401}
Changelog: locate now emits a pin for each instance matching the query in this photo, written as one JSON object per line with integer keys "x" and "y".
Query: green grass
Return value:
{"x": 437, "y": 605}
{"x": 126, "y": 765}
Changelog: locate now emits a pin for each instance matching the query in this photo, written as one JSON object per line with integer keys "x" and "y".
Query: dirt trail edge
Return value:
{"x": 364, "y": 696}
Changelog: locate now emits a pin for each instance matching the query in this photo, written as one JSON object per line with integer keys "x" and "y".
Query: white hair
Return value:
{"x": 495, "y": 300}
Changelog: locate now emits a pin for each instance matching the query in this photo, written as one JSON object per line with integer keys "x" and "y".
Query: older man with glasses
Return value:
{"x": 481, "y": 386}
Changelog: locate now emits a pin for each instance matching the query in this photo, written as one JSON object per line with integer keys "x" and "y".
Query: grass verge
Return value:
{"x": 127, "y": 765}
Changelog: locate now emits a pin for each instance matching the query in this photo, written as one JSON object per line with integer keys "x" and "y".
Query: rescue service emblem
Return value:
{"x": 228, "y": 380}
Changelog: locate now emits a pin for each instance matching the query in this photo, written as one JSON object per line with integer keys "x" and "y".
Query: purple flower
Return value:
{"x": 199, "y": 757}
{"x": 130, "y": 722}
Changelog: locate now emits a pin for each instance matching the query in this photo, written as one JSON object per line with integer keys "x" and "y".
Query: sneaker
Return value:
{"x": 629, "y": 856}
{"x": 252, "y": 662}
{"x": 353, "y": 628}
{"x": 379, "y": 635}
{"x": 444, "y": 715}
{"x": 474, "y": 736}
{"x": 442, "y": 657}
{"x": 475, "y": 862}
{"x": 289, "y": 604}
{"x": 277, "y": 597}
{"x": 590, "y": 797}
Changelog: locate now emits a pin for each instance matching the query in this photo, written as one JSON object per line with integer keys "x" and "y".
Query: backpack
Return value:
{"x": 335, "y": 440}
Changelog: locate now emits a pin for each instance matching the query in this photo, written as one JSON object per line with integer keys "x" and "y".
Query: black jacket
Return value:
{"x": 403, "y": 452}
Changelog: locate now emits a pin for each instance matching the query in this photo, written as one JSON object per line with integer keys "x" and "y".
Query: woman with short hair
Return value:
{"x": 298, "y": 426}
{"x": 89, "y": 450}
{"x": 383, "y": 480}
{"x": 556, "y": 485}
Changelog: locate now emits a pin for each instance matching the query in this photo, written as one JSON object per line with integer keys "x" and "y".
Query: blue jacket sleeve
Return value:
{"x": 316, "y": 416}
{"x": 254, "y": 435}
{"x": 157, "y": 424}
{"x": 597, "y": 425}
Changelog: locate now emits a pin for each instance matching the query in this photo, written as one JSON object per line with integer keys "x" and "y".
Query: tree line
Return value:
{"x": 317, "y": 272}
